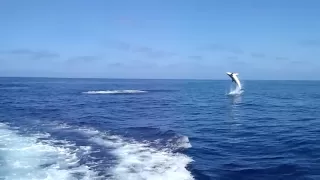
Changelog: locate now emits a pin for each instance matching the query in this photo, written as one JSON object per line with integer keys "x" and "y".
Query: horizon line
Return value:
{"x": 120, "y": 78}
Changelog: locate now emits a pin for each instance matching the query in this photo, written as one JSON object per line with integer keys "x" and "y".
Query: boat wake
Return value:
{"x": 89, "y": 154}
{"x": 38, "y": 157}
{"x": 140, "y": 160}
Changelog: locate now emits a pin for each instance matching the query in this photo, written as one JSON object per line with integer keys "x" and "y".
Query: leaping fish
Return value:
{"x": 234, "y": 78}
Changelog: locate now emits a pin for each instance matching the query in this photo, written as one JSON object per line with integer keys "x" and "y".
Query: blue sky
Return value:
{"x": 160, "y": 38}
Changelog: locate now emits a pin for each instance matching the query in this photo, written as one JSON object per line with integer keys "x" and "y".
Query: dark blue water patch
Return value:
{"x": 201, "y": 174}
{"x": 282, "y": 171}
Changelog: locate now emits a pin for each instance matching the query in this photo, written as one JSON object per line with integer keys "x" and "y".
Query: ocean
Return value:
{"x": 117, "y": 129}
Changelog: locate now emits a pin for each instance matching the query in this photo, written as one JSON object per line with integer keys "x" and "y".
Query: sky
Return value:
{"x": 161, "y": 39}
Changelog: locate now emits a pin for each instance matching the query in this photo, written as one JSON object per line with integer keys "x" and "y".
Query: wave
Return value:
{"x": 102, "y": 154}
{"x": 116, "y": 92}
{"x": 169, "y": 140}
{"x": 20, "y": 155}
{"x": 12, "y": 86}
{"x": 140, "y": 160}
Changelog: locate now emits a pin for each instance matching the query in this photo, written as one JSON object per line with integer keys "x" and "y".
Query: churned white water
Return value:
{"x": 28, "y": 158}
{"x": 116, "y": 92}
{"x": 140, "y": 161}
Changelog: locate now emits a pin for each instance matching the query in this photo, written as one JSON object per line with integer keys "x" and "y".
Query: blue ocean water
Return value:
{"x": 158, "y": 129}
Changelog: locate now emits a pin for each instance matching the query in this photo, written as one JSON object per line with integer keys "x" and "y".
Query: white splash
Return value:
{"x": 140, "y": 161}
{"x": 137, "y": 161}
{"x": 115, "y": 92}
{"x": 235, "y": 91}
{"x": 26, "y": 157}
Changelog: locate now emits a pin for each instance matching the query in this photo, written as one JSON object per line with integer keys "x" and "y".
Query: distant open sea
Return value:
{"x": 113, "y": 129}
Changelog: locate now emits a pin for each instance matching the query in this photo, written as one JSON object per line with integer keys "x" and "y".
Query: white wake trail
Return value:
{"x": 115, "y": 92}
{"x": 30, "y": 157}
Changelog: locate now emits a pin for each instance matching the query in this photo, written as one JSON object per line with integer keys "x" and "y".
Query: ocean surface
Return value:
{"x": 97, "y": 129}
